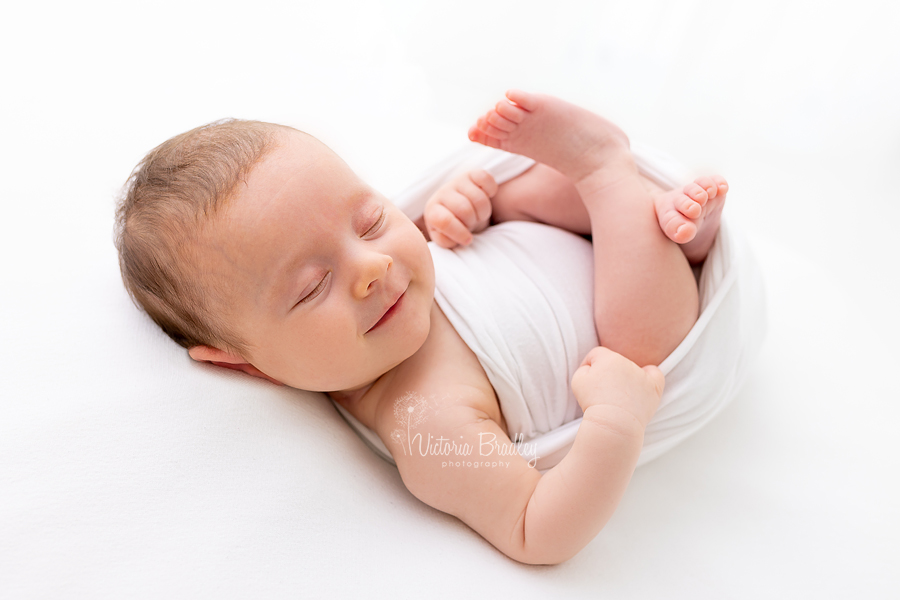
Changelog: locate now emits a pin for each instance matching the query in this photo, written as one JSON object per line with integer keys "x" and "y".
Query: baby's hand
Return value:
{"x": 610, "y": 379}
{"x": 460, "y": 207}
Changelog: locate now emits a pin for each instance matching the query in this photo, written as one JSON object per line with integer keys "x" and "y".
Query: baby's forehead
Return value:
{"x": 300, "y": 167}
{"x": 295, "y": 201}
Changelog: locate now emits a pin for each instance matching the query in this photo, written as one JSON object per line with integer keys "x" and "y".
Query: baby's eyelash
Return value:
{"x": 313, "y": 293}
{"x": 378, "y": 223}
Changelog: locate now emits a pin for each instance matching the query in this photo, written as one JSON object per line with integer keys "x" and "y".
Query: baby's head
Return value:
{"x": 256, "y": 247}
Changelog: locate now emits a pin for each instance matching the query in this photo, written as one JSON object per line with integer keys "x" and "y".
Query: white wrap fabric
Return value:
{"x": 521, "y": 297}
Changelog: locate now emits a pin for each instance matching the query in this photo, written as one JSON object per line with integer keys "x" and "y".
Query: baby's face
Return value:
{"x": 312, "y": 258}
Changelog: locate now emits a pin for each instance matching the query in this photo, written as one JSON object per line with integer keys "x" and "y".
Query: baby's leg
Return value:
{"x": 543, "y": 195}
{"x": 645, "y": 295}
{"x": 688, "y": 216}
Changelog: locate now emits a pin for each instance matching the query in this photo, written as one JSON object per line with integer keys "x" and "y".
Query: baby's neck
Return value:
{"x": 351, "y": 396}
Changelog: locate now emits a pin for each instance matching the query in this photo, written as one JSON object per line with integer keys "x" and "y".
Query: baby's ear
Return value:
{"x": 214, "y": 355}
{"x": 228, "y": 360}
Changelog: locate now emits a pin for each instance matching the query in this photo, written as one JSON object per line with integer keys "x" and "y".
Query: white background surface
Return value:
{"x": 126, "y": 470}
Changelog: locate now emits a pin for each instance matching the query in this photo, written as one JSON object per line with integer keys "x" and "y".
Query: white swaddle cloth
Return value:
{"x": 521, "y": 297}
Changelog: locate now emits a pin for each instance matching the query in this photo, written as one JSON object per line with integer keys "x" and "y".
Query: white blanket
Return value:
{"x": 530, "y": 348}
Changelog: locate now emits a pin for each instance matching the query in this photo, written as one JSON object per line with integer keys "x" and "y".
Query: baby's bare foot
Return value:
{"x": 572, "y": 140}
{"x": 691, "y": 216}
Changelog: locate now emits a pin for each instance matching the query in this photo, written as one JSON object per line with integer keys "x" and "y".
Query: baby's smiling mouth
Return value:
{"x": 389, "y": 312}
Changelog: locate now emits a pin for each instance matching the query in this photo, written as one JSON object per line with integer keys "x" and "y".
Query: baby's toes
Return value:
{"x": 477, "y": 135}
{"x": 490, "y": 130}
{"x": 510, "y": 112}
{"x": 688, "y": 207}
{"x": 500, "y": 122}
{"x": 697, "y": 192}
{"x": 708, "y": 184}
{"x": 528, "y": 102}
{"x": 678, "y": 228}
{"x": 721, "y": 184}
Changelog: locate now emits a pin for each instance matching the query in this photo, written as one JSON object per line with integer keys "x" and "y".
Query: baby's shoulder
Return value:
{"x": 455, "y": 403}
{"x": 446, "y": 373}
{"x": 426, "y": 417}
{"x": 433, "y": 409}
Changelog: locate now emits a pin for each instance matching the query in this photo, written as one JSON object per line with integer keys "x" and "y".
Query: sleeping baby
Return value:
{"x": 256, "y": 248}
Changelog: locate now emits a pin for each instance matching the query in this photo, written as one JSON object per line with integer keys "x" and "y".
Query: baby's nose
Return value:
{"x": 374, "y": 268}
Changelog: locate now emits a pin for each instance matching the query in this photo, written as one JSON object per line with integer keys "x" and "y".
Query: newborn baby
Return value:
{"x": 256, "y": 248}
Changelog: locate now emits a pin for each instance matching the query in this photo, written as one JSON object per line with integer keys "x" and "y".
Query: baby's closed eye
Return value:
{"x": 378, "y": 223}
{"x": 316, "y": 290}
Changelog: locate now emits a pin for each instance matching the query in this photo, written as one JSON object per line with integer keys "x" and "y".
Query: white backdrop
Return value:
{"x": 791, "y": 492}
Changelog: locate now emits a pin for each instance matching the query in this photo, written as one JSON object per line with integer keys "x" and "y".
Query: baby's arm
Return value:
{"x": 473, "y": 201}
{"x": 532, "y": 518}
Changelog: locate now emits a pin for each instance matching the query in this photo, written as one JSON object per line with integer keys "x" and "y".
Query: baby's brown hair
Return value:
{"x": 168, "y": 198}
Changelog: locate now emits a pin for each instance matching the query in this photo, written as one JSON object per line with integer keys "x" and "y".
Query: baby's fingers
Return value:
{"x": 442, "y": 240}
{"x": 473, "y": 202}
{"x": 467, "y": 203}
{"x": 444, "y": 228}
{"x": 485, "y": 181}
{"x": 657, "y": 379}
